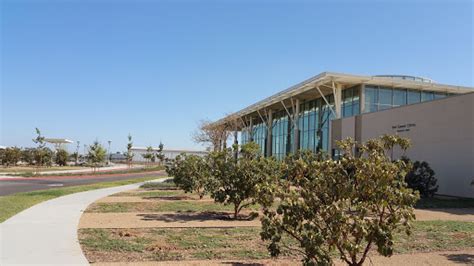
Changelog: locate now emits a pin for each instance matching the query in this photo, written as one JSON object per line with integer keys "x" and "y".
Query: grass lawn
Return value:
{"x": 26, "y": 169}
{"x": 153, "y": 244}
{"x": 430, "y": 203}
{"x": 168, "y": 184}
{"x": 120, "y": 171}
{"x": 13, "y": 204}
{"x": 153, "y": 194}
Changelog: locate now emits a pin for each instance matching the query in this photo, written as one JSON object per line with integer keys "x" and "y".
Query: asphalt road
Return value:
{"x": 8, "y": 187}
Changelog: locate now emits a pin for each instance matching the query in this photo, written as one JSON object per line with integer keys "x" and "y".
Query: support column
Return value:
{"x": 362, "y": 99}
{"x": 269, "y": 133}
{"x": 250, "y": 131}
{"x": 236, "y": 145}
{"x": 337, "y": 91}
{"x": 296, "y": 133}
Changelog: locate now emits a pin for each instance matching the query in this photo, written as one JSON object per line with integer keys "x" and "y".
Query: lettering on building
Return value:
{"x": 403, "y": 127}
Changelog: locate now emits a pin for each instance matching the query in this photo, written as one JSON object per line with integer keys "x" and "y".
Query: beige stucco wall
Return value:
{"x": 441, "y": 131}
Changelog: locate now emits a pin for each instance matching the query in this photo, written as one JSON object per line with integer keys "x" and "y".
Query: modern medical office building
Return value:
{"x": 438, "y": 118}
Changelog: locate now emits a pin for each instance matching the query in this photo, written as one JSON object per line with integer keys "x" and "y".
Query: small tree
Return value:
{"x": 11, "y": 156}
{"x": 28, "y": 156}
{"x": 75, "y": 157}
{"x": 239, "y": 180}
{"x": 159, "y": 153}
{"x": 96, "y": 155}
{"x": 422, "y": 178}
{"x": 129, "y": 154}
{"x": 2, "y": 156}
{"x": 61, "y": 157}
{"x": 42, "y": 155}
{"x": 192, "y": 174}
{"x": 149, "y": 156}
{"x": 348, "y": 205}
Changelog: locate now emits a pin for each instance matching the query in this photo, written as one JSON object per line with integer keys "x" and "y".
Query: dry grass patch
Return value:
{"x": 128, "y": 245}
{"x": 163, "y": 244}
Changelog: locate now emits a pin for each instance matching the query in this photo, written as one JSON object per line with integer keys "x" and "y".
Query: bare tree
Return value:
{"x": 215, "y": 134}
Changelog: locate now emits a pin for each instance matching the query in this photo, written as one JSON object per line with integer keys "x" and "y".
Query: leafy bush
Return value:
{"x": 27, "y": 155}
{"x": 43, "y": 156}
{"x": 10, "y": 156}
{"x": 191, "y": 173}
{"x": 61, "y": 157}
{"x": 240, "y": 181}
{"x": 422, "y": 178}
{"x": 96, "y": 155}
{"x": 347, "y": 205}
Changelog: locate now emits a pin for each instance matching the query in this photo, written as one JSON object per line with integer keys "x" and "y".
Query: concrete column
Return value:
{"x": 362, "y": 99}
{"x": 338, "y": 100}
{"x": 236, "y": 141}
{"x": 296, "y": 134}
{"x": 269, "y": 133}
{"x": 236, "y": 145}
{"x": 250, "y": 131}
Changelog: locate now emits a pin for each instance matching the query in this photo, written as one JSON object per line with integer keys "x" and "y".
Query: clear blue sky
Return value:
{"x": 102, "y": 69}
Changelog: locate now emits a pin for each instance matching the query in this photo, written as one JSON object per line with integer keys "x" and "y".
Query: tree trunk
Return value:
{"x": 236, "y": 211}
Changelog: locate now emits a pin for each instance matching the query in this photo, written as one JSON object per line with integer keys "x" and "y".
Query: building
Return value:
{"x": 330, "y": 106}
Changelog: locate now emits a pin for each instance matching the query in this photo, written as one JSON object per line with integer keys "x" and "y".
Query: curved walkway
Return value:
{"x": 46, "y": 234}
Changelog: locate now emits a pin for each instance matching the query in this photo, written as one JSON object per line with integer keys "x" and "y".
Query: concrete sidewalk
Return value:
{"x": 46, "y": 234}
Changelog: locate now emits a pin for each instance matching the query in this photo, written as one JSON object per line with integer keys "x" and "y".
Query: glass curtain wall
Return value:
{"x": 260, "y": 135}
{"x": 350, "y": 101}
{"x": 380, "y": 98}
{"x": 314, "y": 124}
{"x": 259, "y": 132}
{"x": 282, "y": 135}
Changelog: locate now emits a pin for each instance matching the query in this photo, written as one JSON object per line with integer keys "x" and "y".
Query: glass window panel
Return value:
{"x": 439, "y": 95}
{"x": 355, "y": 101}
{"x": 370, "y": 99}
{"x": 347, "y": 110}
{"x": 427, "y": 96}
{"x": 399, "y": 97}
{"x": 311, "y": 122}
{"x": 413, "y": 97}
{"x": 385, "y": 98}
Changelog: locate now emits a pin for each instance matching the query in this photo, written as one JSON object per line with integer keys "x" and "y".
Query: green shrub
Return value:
{"x": 61, "y": 157}
{"x": 241, "y": 182}
{"x": 347, "y": 205}
{"x": 191, "y": 173}
{"x": 422, "y": 178}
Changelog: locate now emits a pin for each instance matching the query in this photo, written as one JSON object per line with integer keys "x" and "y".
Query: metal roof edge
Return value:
{"x": 290, "y": 91}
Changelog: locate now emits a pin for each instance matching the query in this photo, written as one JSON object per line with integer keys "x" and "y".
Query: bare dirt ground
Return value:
{"x": 462, "y": 214}
{"x": 161, "y": 220}
{"x": 464, "y": 257}
{"x": 148, "y": 199}
{"x": 220, "y": 220}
